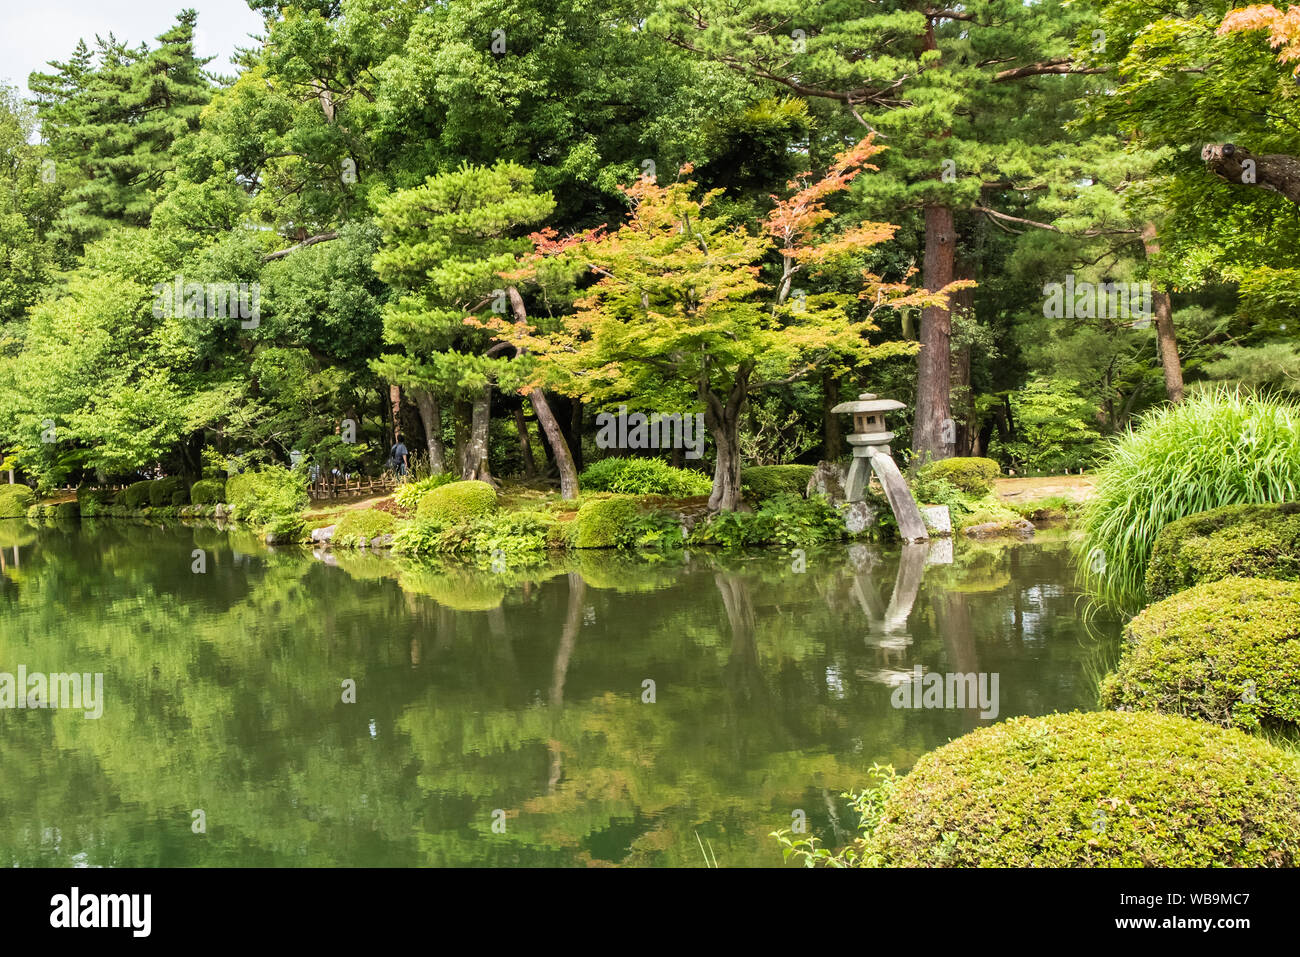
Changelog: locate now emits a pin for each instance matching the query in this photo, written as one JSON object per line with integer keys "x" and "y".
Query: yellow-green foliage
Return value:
{"x": 361, "y": 525}
{"x": 971, "y": 475}
{"x": 1226, "y": 651}
{"x": 458, "y": 502}
{"x": 601, "y": 522}
{"x": 1107, "y": 789}
{"x": 1258, "y": 540}
{"x": 15, "y": 500}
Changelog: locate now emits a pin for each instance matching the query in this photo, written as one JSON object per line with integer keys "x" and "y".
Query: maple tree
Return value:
{"x": 680, "y": 309}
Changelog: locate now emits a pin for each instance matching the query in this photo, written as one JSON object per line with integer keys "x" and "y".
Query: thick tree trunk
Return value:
{"x": 564, "y": 460}
{"x": 431, "y": 417}
{"x": 475, "y": 465}
{"x": 525, "y": 444}
{"x": 1166, "y": 336}
{"x": 934, "y": 366}
{"x": 832, "y": 441}
{"x": 1276, "y": 172}
{"x": 962, "y": 398}
{"x": 723, "y": 422}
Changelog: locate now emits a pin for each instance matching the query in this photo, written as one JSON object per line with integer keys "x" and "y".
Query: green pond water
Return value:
{"x": 499, "y": 718}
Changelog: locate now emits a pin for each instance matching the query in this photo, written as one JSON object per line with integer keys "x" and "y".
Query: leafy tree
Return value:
{"x": 680, "y": 309}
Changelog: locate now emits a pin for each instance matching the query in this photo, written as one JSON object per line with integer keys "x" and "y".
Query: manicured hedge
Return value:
{"x": 457, "y": 502}
{"x": 15, "y": 500}
{"x": 1096, "y": 790}
{"x": 360, "y": 526}
{"x": 1225, "y": 651}
{"x": 971, "y": 475}
{"x": 168, "y": 491}
{"x": 763, "y": 481}
{"x": 208, "y": 492}
{"x": 1257, "y": 540}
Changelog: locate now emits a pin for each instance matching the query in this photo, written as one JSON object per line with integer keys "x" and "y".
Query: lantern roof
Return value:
{"x": 868, "y": 402}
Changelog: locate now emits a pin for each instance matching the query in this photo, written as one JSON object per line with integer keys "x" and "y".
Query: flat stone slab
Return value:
{"x": 1021, "y": 528}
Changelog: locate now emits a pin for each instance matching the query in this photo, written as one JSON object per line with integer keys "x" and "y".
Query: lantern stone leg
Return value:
{"x": 870, "y": 442}
{"x": 911, "y": 526}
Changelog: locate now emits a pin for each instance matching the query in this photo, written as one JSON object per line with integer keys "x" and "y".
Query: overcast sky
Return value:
{"x": 32, "y": 33}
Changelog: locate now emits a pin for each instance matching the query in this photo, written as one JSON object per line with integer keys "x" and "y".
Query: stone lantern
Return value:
{"x": 870, "y": 442}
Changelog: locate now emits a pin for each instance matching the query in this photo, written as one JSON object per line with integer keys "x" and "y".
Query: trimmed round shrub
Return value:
{"x": 136, "y": 495}
{"x": 457, "y": 502}
{"x": 208, "y": 492}
{"x": 1106, "y": 789}
{"x": 763, "y": 481}
{"x": 643, "y": 476}
{"x": 360, "y": 526}
{"x": 36, "y": 513}
{"x": 168, "y": 491}
{"x": 1225, "y": 651}
{"x": 971, "y": 475}
{"x": 601, "y": 523}
{"x": 66, "y": 511}
{"x": 408, "y": 494}
{"x": 1262, "y": 541}
{"x": 1217, "y": 448}
{"x": 15, "y": 500}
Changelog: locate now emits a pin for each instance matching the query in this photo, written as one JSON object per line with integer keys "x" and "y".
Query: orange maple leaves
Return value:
{"x": 1283, "y": 28}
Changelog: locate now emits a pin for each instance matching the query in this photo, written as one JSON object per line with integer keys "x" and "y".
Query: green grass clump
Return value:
{"x": 408, "y": 494}
{"x": 208, "y": 492}
{"x": 359, "y": 526}
{"x": 974, "y": 476}
{"x": 15, "y": 500}
{"x": 1217, "y": 448}
{"x": 270, "y": 496}
{"x": 761, "y": 482}
{"x": 643, "y": 476}
{"x": 1226, "y": 651}
{"x": 1262, "y": 541}
{"x": 1106, "y": 789}
{"x": 457, "y": 502}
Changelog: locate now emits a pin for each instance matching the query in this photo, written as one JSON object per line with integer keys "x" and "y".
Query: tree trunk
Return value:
{"x": 431, "y": 417}
{"x": 1276, "y": 172}
{"x": 525, "y": 443}
{"x": 934, "y": 366}
{"x": 564, "y": 460}
{"x": 832, "y": 440}
{"x": 475, "y": 465}
{"x": 723, "y": 422}
{"x": 395, "y": 398}
{"x": 459, "y": 413}
{"x": 1166, "y": 337}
